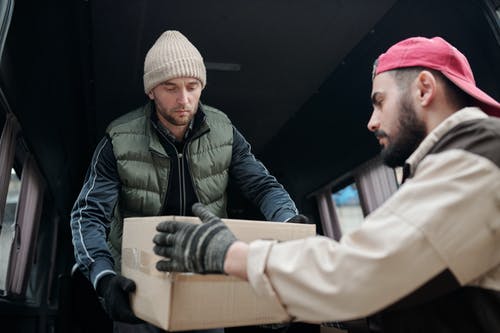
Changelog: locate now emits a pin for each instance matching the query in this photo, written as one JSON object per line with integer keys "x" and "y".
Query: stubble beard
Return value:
{"x": 411, "y": 131}
{"x": 168, "y": 115}
{"x": 176, "y": 121}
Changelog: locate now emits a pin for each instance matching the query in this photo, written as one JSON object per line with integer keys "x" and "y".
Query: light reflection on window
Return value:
{"x": 348, "y": 208}
{"x": 7, "y": 228}
{"x": 12, "y": 199}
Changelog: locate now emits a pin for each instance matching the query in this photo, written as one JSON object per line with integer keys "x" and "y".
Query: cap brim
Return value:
{"x": 485, "y": 102}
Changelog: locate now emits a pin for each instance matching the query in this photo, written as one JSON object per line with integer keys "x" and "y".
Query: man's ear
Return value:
{"x": 426, "y": 87}
{"x": 151, "y": 95}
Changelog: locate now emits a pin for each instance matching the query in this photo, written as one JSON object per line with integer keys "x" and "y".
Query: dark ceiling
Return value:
{"x": 285, "y": 49}
{"x": 300, "y": 96}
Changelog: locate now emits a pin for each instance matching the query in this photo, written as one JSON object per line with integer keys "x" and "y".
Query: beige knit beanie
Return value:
{"x": 172, "y": 56}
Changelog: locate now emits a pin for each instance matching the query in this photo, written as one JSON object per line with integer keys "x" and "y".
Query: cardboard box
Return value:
{"x": 185, "y": 301}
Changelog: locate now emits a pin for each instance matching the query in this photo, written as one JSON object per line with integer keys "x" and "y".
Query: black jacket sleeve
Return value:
{"x": 92, "y": 213}
{"x": 257, "y": 184}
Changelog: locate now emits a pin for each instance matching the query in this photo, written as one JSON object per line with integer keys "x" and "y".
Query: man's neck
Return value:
{"x": 178, "y": 132}
{"x": 439, "y": 114}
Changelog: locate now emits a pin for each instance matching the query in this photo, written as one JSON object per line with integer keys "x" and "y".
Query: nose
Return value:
{"x": 182, "y": 97}
{"x": 374, "y": 122}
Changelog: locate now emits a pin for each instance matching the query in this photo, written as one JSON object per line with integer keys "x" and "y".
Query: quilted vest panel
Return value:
{"x": 143, "y": 166}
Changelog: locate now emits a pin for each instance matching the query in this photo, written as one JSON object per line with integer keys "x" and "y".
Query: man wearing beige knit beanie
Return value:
{"x": 160, "y": 159}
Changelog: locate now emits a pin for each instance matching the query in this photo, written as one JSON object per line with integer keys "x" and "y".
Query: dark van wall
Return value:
{"x": 43, "y": 66}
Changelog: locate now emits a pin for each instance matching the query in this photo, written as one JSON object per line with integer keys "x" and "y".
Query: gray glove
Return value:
{"x": 198, "y": 248}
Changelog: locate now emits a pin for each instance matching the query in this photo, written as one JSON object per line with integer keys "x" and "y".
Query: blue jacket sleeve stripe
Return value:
{"x": 81, "y": 248}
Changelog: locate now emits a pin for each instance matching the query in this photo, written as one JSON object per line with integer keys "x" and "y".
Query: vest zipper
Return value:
{"x": 163, "y": 204}
{"x": 182, "y": 185}
{"x": 165, "y": 200}
{"x": 186, "y": 151}
{"x": 196, "y": 135}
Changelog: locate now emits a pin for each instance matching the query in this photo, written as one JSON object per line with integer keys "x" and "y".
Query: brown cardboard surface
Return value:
{"x": 184, "y": 301}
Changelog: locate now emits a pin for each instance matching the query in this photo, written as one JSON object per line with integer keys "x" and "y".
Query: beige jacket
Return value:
{"x": 445, "y": 216}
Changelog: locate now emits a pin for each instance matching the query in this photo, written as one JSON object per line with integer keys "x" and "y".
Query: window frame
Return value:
{"x": 19, "y": 253}
{"x": 375, "y": 183}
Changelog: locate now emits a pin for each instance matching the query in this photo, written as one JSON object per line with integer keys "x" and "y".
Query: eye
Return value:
{"x": 193, "y": 86}
{"x": 377, "y": 100}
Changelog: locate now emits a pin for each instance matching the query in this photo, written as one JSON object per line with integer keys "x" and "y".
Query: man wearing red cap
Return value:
{"x": 428, "y": 260}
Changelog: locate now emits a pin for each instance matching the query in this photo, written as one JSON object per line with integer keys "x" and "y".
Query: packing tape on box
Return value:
{"x": 138, "y": 260}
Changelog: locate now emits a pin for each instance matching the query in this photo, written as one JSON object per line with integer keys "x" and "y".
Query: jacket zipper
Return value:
{"x": 182, "y": 180}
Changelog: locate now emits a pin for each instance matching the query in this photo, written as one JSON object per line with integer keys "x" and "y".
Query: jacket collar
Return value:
{"x": 197, "y": 126}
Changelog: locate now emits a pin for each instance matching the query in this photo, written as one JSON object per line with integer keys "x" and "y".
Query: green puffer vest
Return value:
{"x": 144, "y": 166}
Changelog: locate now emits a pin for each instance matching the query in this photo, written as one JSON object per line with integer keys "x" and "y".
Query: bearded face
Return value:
{"x": 176, "y": 102}
{"x": 405, "y": 139}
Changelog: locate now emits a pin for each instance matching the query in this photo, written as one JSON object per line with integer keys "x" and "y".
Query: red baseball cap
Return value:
{"x": 438, "y": 54}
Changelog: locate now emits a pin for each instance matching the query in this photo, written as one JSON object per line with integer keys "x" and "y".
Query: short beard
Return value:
{"x": 411, "y": 132}
{"x": 174, "y": 122}
{"x": 166, "y": 115}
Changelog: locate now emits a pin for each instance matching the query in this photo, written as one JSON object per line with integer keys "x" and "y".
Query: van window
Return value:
{"x": 348, "y": 208}
{"x": 8, "y": 227}
{"x": 12, "y": 198}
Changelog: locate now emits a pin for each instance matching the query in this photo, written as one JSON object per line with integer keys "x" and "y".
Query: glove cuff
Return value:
{"x": 216, "y": 253}
{"x": 103, "y": 283}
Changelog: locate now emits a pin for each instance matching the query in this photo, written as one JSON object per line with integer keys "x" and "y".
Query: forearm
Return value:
{"x": 236, "y": 260}
{"x": 318, "y": 279}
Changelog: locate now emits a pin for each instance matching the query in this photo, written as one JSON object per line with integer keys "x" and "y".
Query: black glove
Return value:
{"x": 114, "y": 292}
{"x": 198, "y": 248}
{"x": 299, "y": 219}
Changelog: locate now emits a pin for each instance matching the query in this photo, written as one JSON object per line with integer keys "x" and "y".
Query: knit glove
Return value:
{"x": 114, "y": 296}
{"x": 299, "y": 219}
{"x": 198, "y": 248}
